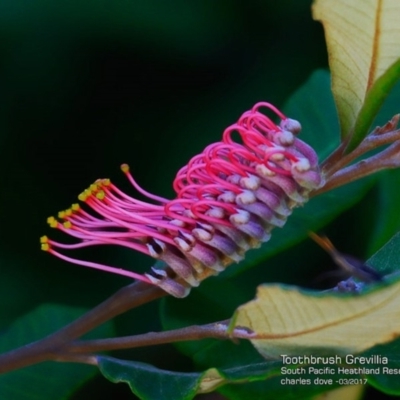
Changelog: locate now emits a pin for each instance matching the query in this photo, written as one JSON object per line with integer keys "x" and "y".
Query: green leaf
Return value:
{"x": 247, "y": 381}
{"x": 387, "y": 259}
{"x": 65, "y": 377}
{"x": 387, "y": 380}
{"x": 151, "y": 383}
{"x": 363, "y": 57}
{"x": 313, "y": 105}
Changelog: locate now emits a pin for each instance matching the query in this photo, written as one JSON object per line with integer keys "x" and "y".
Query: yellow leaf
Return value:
{"x": 346, "y": 392}
{"x": 363, "y": 39}
{"x": 292, "y": 322}
{"x": 210, "y": 381}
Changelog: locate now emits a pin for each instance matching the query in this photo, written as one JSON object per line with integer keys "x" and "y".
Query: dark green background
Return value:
{"x": 88, "y": 85}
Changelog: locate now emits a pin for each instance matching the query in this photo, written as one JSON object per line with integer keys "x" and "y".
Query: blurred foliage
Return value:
{"x": 86, "y": 86}
{"x": 65, "y": 377}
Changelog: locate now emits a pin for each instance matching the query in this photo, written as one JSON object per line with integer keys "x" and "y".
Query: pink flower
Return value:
{"x": 228, "y": 199}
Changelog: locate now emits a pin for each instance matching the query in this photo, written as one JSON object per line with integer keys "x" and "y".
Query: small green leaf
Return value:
{"x": 33, "y": 382}
{"x": 387, "y": 259}
{"x": 363, "y": 57}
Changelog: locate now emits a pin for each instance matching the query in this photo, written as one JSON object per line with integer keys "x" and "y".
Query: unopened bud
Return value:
{"x": 246, "y": 197}
{"x": 250, "y": 182}
{"x": 227, "y": 197}
{"x": 182, "y": 244}
{"x": 202, "y": 234}
{"x": 302, "y": 165}
{"x": 285, "y": 138}
{"x": 264, "y": 171}
{"x": 291, "y": 125}
{"x": 242, "y": 217}
{"x": 216, "y": 212}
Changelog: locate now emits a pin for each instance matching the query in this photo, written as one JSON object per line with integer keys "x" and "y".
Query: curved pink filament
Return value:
{"x": 102, "y": 267}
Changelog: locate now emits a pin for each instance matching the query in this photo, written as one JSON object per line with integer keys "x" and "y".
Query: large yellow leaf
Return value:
{"x": 363, "y": 39}
{"x": 293, "y": 322}
{"x": 345, "y": 392}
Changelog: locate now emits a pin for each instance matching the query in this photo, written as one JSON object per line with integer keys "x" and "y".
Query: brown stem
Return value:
{"x": 124, "y": 299}
{"x": 334, "y": 157}
{"x": 388, "y": 158}
{"x": 76, "y": 358}
{"x": 371, "y": 142}
{"x": 216, "y": 330}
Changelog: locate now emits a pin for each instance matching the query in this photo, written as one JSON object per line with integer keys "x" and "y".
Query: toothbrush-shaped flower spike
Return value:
{"x": 228, "y": 199}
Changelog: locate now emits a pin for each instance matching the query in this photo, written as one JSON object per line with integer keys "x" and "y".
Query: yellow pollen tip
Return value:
{"x": 75, "y": 207}
{"x": 93, "y": 187}
{"x": 52, "y": 222}
{"x": 45, "y": 247}
{"x": 83, "y": 196}
{"x": 68, "y": 212}
{"x": 61, "y": 214}
{"x": 100, "y": 195}
{"x": 106, "y": 182}
{"x": 125, "y": 168}
{"x": 44, "y": 239}
{"x": 67, "y": 225}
